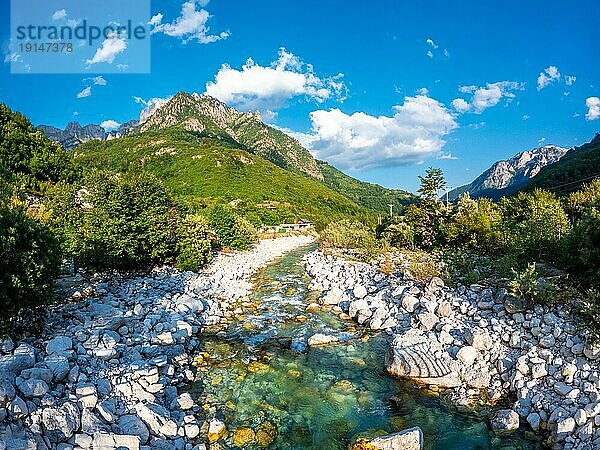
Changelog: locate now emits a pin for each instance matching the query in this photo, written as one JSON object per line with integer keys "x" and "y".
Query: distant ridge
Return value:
{"x": 507, "y": 176}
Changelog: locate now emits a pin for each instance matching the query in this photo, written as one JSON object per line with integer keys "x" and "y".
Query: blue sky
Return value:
{"x": 355, "y": 82}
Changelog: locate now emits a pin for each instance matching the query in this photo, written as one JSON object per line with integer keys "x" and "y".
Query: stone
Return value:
{"x": 478, "y": 338}
{"x": 59, "y": 423}
{"x": 7, "y": 392}
{"x": 266, "y": 434}
{"x": 333, "y": 296}
{"x": 505, "y": 420}
{"x": 59, "y": 344}
{"x": 467, "y": 355}
{"x": 157, "y": 418}
{"x": 411, "y": 439}
{"x": 216, "y": 430}
{"x": 109, "y": 441}
{"x": 514, "y": 305}
{"x": 243, "y": 437}
{"x": 534, "y": 421}
{"x": 580, "y": 417}
{"x": 444, "y": 310}
{"x": 133, "y": 425}
{"x": 428, "y": 320}
{"x": 359, "y": 291}
{"x": 59, "y": 365}
{"x": 414, "y": 356}
{"x": 17, "y": 408}
{"x": 90, "y": 423}
{"x": 33, "y": 388}
{"x": 565, "y": 426}
{"x": 319, "y": 339}
{"x": 409, "y": 302}
{"x": 356, "y": 306}
{"x": 183, "y": 402}
{"x": 22, "y": 358}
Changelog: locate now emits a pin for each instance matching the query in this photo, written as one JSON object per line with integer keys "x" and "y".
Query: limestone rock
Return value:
{"x": 411, "y": 439}
{"x": 319, "y": 339}
{"x": 505, "y": 420}
{"x": 61, "y": 422}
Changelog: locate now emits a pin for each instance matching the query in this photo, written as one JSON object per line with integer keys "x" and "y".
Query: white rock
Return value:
{"x": 467, "y": 355}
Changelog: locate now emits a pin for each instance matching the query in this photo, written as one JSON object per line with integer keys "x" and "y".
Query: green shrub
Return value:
{"x": 533, "y": 223}
{"x": 29, "y": 155}
{"x": 528, "y": 286}
{"x": 29, "y": 262}
{"x": 580, "y": 248}
{"x": 115, "y": 221}
{"x": 473, "y": 225}
{"x": 589, "y": 310}
{"x": 194, "y": 243}
{"x": 399, "y": 235}
{"x": 351, "y": 235}
{"x": 232, "y": 231}
{"x": 423, "y": 268}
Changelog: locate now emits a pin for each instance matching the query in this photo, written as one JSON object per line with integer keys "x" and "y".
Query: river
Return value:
{"x": 259, "y": 378}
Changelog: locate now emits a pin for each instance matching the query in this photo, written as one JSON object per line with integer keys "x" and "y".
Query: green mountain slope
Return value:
{"x": 367, "y": 195}
{"x": 202, "y": 170}
{"x": 578, "y": 166}
{"x": 213, "y": 118}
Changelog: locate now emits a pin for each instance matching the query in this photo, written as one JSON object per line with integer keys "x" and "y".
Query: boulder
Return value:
{"x": 133, "y": 425}
{"x": 7, "y": 392}
{"x": 360, "y": 291}
{"x": 478, "y": 338}
{"x": 216, "y": 430}
{"x": 467, "y": 355}
{"x": 414, "y": 356}
{"x": 59, "y": 423}
{"x": 22, "y": 358}
{"x": 109, "y": 441}
{"x": 319, "y": 339}
{"x": 59, "y": 344}
{"x": 505, "y": 420}
{"x": 32, "y": 388}
{"x": 411, "y": 439}
{"x": 333, "y": 296}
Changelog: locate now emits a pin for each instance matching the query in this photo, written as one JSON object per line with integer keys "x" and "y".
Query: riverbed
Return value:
{"x": 258, "y": 376}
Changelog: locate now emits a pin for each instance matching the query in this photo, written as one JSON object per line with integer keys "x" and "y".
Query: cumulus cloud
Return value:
{"x": 150, "y": 106}
{"x": 434, "y": 49}
{"x": 593, "y": 104}
{"x": 429, "y": 41}
{"x": 570, "y": 80}
{"x": 486, "y": 96}
{"x": 547, "y": 77}
{"x": 111, "y": 47}
{"x": 110, "y": 125}
{"x": 270, "y": 87}
{"x": 190, "y": 25}
{"x": 60, "y": 14}
{"x": 360, "y": 141}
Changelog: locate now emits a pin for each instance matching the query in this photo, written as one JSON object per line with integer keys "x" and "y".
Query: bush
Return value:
{"x": 474, "y": 225}
{"x": 423, "y": 268}
{"x": 533, "y": 223}
{"x": 589, "y": 310}
{"x": 232, "y": 231}
{"x": 527, "y": 285}
{"x": 351, "y": 235}
{"x": 115, "y": 221}
{"x": 29, "y": 262}
{"x": 581, "y": 247}
{"x": 399, "y": 235}
{"x": 28, "y": 154}
{"x": 194, "y": 243}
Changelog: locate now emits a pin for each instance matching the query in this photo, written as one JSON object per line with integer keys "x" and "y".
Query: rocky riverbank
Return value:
{"x": 478, "y": 343}
{"x": 108, "y": 371}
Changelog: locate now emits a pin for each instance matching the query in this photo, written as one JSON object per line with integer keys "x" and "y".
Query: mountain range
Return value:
{"x": 208, "y": 152}
{"x": 508, "y": 176}
{"x": 76, "y": 134}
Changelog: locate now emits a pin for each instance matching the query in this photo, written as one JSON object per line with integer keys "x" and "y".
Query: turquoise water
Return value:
{"x": 256, "y": 371}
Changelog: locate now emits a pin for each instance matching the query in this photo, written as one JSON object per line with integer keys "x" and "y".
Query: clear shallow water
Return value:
{"x": 257, "y": 371}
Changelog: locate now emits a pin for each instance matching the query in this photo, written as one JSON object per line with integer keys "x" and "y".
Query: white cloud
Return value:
{"x": 461, "y": 105}
{"x": 548, "y": 76}
{"x": 483, "y": 98}
{"x": 111, "y": 47}
{"x": 150, "y": 106}
{"x": 526, "y": 117}
{"x": 360, "y": 141}
{"x": 94, "y": 81}
{"x": 86, "y": 92}
{"x": 570, "y": 80}
{"x": 270, "y": 87}
{"x": 110, "y": 125}
{"x": 447, "y": 155}
{"x": 446, "y": 53}
{"x": 429, "y": 41}
{"x": 593, "y": 104}
{"x": 60, "y": 14}
{"x": 190, "y": 25}
{"x": 429, "y": 53}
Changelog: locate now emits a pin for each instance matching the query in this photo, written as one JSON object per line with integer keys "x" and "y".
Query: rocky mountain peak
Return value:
{"x": 510, "y": 174}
